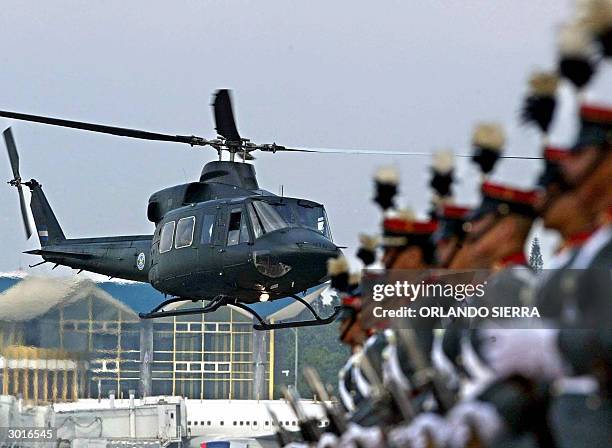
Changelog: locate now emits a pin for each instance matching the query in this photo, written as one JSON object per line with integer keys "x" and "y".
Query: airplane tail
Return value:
{"x": 47, "y": 225}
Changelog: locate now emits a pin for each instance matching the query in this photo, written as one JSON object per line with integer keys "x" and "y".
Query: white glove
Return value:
{"x": 426, "y": 430}
{"x": 466, "y": 417}
{"x": 328, "y": 440}
{"x": 370, "y": 437}
{"x": 533, "y": 353}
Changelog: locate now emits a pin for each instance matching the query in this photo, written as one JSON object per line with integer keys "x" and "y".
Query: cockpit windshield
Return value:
{"x": 313, "y": 217}
{"x": 265, "y": 218}
{"x": 302, "y": 213}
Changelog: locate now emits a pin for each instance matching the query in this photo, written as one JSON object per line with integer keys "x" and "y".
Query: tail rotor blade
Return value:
{"x": 12, "y": 152}
{"x": 224, "y": 116}
{"x": 14, "y": 158}
{"x": 24, "y": 212}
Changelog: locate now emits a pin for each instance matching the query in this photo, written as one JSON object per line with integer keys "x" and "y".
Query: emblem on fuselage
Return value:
{"x": 140, "y": 261}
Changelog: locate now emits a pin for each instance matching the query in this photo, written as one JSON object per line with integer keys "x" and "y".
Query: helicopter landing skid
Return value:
{"x": 158, "y": 311}
{"x": 267, "y": 326}
{"x": 215, "y": 304}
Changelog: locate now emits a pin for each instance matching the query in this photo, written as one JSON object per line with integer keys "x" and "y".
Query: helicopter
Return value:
{"x": 222, "y": 239}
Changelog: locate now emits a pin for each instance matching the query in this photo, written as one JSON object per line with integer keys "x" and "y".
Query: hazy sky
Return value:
{"x": 394, "y": 75}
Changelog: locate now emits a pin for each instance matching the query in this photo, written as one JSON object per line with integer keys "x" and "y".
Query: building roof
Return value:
{"x": 133, "y": 296}
{"x": 34, "y": 296}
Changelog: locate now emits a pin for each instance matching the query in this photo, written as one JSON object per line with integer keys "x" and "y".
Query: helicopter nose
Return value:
{"x": 297, "y": 255}
{"x": 309, "y": 253}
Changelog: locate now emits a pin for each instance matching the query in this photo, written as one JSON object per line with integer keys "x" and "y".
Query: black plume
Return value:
{"x": 605, "y": 39}
{"x": 366, "y": 256}
{"x": 441, "y": 183}
{"x": 538, "y": 110}
{"x": 486, "y": 159}
{"x": 487, "y": 141}
{"x": 578, "y": 70}
{"x": 367, "y": 248}
{"x": 340, "y": 282}
{"x": 386, "y": 181}
{"x": 385, "y": 194}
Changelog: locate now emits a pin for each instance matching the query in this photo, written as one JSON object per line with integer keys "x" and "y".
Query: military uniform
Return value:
{"x": 576, "y": 298}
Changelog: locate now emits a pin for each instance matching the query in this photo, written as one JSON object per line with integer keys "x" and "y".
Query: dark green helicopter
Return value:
{"x": 221, "y": 239}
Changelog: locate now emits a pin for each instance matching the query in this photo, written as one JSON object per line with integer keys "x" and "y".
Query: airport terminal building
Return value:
{"x": 63, "y": 339}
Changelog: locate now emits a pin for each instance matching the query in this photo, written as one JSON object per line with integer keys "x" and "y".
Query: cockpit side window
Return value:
{"x": 265, "y": 218}
{"x": 166, "y": 237}
{"x": 237, "y": 229}
{"x": 244, "y": 229}
{"x": 257, "y": 229}
{"x": 184, "y": 232}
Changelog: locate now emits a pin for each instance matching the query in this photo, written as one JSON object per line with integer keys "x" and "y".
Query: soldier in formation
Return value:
{"x": 510, "y": 381}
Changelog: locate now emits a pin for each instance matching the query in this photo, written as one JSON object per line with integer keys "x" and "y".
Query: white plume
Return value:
{"x": 443, "y": 161}
{"x": 489, "y": 135}
{"x": 337, "y": 266}
{"x": 575, "y": 40}
{"x": 369, "y": 242}
{"x": 543, "y": 83}
{"x": 387, "y": 175}
{"x": 596, "y": 15}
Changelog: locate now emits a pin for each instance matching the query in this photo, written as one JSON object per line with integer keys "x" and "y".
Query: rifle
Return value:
{"x": 425, "y": 375}
{"x": 383, "y": 398}
{"x": 400, "y": 398}
{"x": 308, "y": 426}
{"x": 390, "y": 397}
{"x": 337, "y": 422}
{"x": 282, "y": 435}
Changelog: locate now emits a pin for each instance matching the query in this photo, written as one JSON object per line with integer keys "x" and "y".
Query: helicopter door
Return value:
{"x": 209, "y": 247}
{"x": 177, "y": 253}
{"x": 237, "y": 239}
{"x": 185, "y": 251}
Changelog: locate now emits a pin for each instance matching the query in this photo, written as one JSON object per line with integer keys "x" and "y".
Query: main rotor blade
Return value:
{"x": 113, "y": 130}
{"x": 373, "y": 152}
{"x": 224, "y": 116}
{"x": 12, "y": 152}
{"x": 24, "y": 212}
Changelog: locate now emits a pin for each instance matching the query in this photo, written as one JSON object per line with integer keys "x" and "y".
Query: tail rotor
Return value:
{"x": 16, "y": 181}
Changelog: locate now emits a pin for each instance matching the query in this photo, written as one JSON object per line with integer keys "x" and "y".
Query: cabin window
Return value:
{"x": 237, "y": 231}
{"x": 165, "y": 240}
{"x": 208, "y": 224}
{"x": 184, "y": 232}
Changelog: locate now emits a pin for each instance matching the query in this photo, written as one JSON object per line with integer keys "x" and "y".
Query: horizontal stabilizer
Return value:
{"x": 54, "y": 253}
